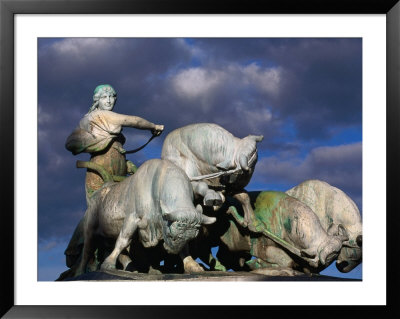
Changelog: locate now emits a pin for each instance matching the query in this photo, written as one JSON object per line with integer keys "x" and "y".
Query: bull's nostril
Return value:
{"x": 359, "y": 240}
{"x": 341, "y": 266}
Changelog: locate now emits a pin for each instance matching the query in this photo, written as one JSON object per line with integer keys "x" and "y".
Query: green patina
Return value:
{"x": 350, "y": 253}
{"x": 90, "y": 191}
{"x": 253, "y": 244}
{"x": 288, "y": 225}
{"x": 258, "y": 263}
{"x": 216, "y": 265}
{"x": 267, "y": 211}
{"x": 104, "y": 86}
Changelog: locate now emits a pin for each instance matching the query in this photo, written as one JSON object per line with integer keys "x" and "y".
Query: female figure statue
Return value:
{"x": 99, "y": 133}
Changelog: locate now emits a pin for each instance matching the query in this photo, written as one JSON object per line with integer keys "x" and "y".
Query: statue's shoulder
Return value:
{"x": 99, "y": 113}
{"x": 102, "y": 118}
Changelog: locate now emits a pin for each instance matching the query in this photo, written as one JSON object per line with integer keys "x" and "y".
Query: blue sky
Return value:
{"x": 303, "y": 94}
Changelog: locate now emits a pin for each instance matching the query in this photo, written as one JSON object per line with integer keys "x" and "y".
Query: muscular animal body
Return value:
{"x": 207, "y": 149}
{"x": 299, "y": 241}
{"x": 156, "y": 204}
{"x": 333, "y": 207}
{"x": 287, "y": 237}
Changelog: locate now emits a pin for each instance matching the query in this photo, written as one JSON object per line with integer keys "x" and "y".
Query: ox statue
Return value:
{"x": 338, "y": 213}
{"x": 293, "y": 235}
{"x": 214, "y": 160}
{"x": 156, "y": 204}
{"x": 285, "y": 238}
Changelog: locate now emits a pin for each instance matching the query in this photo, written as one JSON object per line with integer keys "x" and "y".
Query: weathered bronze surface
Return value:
{"x": 99, "y": 134}
{"x": 154, "y": 224}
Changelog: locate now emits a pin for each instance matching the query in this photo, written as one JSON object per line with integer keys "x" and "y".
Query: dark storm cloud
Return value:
{"x": 296, "y": 92}
{"x": 321, "y": 82}
{"x": 258, "y": 84}
{"x": 70, "y": 69}
{"x": 235, "y": 97}
{"x": 336, "y": 165}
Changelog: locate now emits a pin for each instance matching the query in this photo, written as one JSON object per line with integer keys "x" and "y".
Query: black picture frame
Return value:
{"x": 8, "y": 10}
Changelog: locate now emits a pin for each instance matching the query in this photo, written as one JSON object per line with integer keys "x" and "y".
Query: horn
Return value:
{"x": 257, "y": 138}
{"x": 205, "y": 220}
{"x": 323, "y": 254}
{"x": 199, "y": 209}
{"x": 243, "y": 162}
{"x": 359, "y": 240}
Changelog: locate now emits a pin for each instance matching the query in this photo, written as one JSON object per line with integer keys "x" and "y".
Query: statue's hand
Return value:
{"x": 157, "y": 130}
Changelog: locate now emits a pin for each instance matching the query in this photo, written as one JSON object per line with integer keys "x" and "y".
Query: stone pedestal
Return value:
{"x": 119, "y": 275}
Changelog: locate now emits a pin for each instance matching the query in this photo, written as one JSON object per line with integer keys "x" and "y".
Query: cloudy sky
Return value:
{"x": 304, "y": 95}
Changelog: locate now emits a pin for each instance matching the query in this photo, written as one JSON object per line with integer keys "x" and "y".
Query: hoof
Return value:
{"x": 212, "y": 198}
{"x": 217, "y": 207}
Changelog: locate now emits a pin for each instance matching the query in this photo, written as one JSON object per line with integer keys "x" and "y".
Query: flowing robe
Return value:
{"x": 100, "y": 135}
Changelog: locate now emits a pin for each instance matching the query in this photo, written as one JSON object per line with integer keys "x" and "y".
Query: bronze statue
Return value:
{"x": 193, "y": 199}
{"x": 99, "y": 134}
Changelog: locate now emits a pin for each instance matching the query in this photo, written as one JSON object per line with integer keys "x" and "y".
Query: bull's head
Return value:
{"x": 350, "y": 255}
{"x": 247, "y": 153}
{"x": 337, "y": 235}
{"x": 245, "y": 160}
{"x": 331, "y": 249}
{"x": 181, "y": 226}
{"x": 328, "y": 250}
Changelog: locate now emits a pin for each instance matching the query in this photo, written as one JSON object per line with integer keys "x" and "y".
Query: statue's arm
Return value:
{"x": 134, "y": 121}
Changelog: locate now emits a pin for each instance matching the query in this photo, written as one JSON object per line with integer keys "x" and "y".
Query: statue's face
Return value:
{"x": 348, "y": 259}
{"x": 106, "y": 101}
{"x": 177, "y": 235}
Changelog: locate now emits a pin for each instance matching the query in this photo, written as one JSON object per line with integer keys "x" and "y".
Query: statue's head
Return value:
{"x": 245, "y": 159}
{"x": 350, "y": 255}
{"x": 330, "y": 249}
{"x": 104, "y": 98}
{"x": 181, "y": 226}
